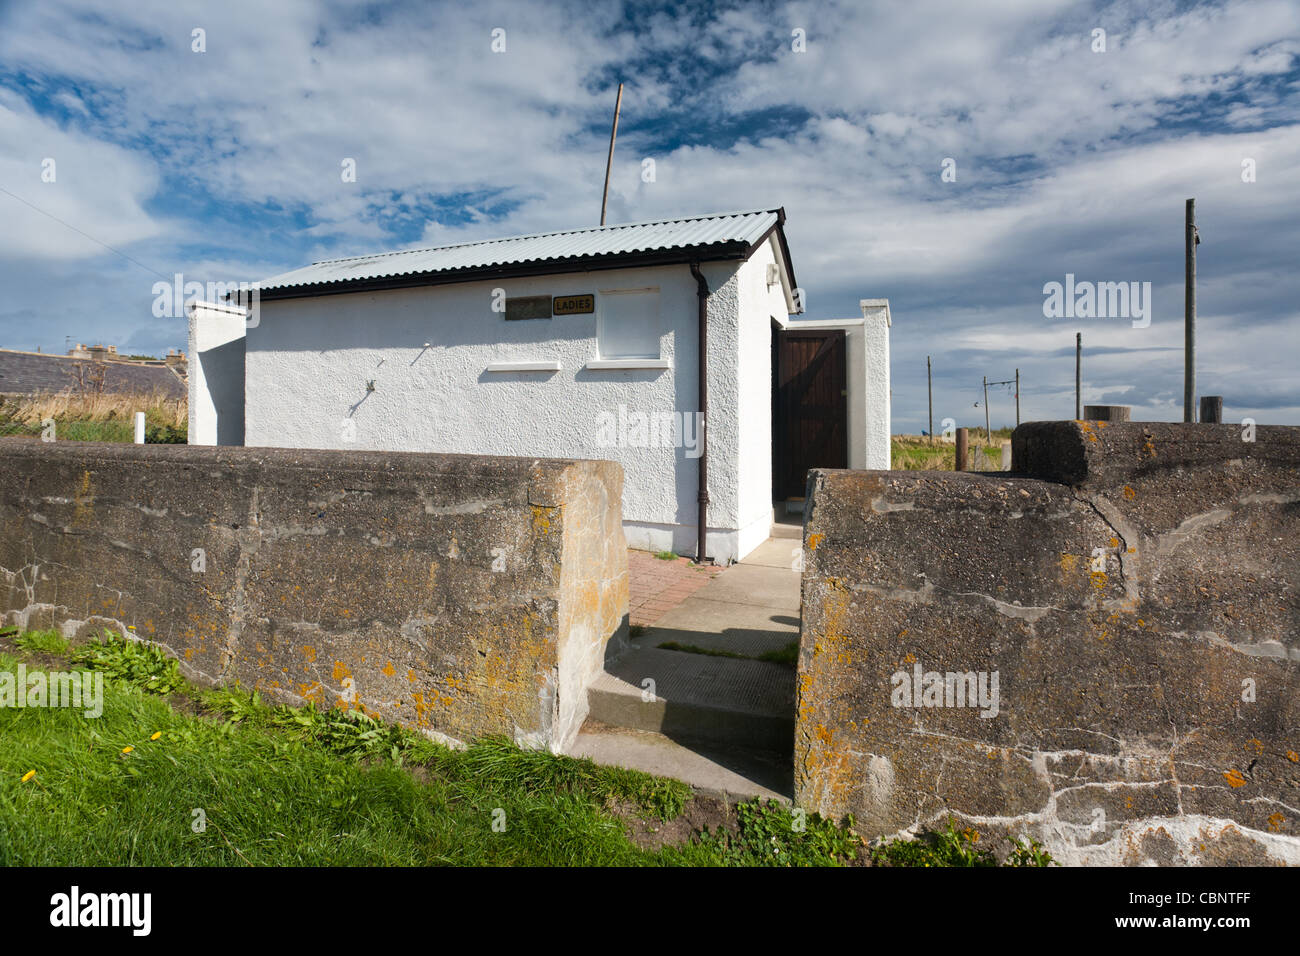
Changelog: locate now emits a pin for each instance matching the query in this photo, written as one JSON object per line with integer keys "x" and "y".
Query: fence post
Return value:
{"x": 962, "y": 439}
{"x": 139, "y": 428}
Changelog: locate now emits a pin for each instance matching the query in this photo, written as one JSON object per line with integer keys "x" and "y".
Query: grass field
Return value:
{"x": 173, "y": 775}
{"x": 106, "y": 417}
{"x": 917, "y": 453}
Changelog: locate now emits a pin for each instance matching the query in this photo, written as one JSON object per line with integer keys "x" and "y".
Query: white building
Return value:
{"x": 579, "y": 344}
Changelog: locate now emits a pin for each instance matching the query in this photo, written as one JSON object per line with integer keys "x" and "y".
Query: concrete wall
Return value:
{"x": 460, "y": 595}
{"x": 216, "y": 374}
{"x": 1135, "y": 590}
{"x": 309, "y": 362}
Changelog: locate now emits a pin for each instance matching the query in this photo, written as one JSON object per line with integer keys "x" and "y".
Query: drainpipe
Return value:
{"x": 702, "y": 496}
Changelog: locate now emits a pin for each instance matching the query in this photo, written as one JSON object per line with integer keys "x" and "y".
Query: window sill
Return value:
{"x": 609, "y": 364}
{"x": 523, "y": 367}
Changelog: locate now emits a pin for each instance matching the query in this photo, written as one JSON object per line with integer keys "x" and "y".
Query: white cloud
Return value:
{"x": 1068, "y": 160}
{"x": 99, "y": 187}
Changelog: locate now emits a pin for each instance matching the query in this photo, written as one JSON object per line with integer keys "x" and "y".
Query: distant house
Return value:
{"x": 35, "y": 373}
{"x": 579, "y": 344}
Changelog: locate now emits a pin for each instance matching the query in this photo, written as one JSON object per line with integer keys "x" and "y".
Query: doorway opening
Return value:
{"x": 810, "y": 408}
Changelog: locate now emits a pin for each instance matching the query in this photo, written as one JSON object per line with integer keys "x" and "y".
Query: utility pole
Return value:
{"x": 613, "y": 135}
{"x": 1078, "y": 376}
{"x": 987, "y": 435}
{"x": 1017, "y": 398}
{"x": 1190, "y": 238}
{"x": 929, "y": 387}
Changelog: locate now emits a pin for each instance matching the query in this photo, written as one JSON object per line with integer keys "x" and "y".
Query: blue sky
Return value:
{"x": 224, "y": 165}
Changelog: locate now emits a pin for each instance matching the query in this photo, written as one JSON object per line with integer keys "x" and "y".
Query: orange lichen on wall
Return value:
{"x": 542, "y": 519}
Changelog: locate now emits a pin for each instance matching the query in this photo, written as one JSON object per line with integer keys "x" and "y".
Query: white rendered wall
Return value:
{"x": 216, "y": 408}
{"x": 760, "y": 306}
{"x": 876, "y": 323}
{"x": 309, "y": 361}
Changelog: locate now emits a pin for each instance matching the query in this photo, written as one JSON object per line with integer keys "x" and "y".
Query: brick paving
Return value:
{"x": 657, "y": 586}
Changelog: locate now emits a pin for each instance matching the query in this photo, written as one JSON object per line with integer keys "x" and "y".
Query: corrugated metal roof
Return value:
{"x": 624, "y": 239}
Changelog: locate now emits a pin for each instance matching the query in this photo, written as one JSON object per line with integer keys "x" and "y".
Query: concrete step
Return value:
{"x": 778, "y": 552}
{"x": 720, "y": 625}
{"x": 696, "y": 697}
{"x": 786, "y": 530}
{"x": 713, "y": 771}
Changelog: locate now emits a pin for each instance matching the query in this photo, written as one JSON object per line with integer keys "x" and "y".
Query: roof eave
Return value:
{"x": 711, "y": 253}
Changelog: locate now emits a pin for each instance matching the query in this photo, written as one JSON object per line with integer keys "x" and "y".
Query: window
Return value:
{"x": 528, "y": 307}
{"x": 628, "y": 325}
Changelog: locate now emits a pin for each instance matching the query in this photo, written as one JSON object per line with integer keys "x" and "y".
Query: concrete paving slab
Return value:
{"x": 711, "y": 770}
{"x": 754, "y": 584}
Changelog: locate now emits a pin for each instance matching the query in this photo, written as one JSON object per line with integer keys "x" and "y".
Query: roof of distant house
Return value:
{"x": 31, "y": 373}
{"x": 734, "y": 235}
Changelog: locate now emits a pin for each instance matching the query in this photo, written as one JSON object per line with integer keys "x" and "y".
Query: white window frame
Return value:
{"x": 626, "y": 361}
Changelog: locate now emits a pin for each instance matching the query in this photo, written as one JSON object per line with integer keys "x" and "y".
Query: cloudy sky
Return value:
{"x": 1070, "y": 152}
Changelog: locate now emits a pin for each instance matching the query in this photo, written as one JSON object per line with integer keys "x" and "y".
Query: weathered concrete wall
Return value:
{"x": 1134, "y": 589}
{"x": 461, "y": 595}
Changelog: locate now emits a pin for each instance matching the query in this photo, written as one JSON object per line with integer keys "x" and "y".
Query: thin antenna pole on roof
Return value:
{"x": 613, "y": 134}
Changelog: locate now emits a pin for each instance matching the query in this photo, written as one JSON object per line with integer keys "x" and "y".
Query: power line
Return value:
{"x": 86, "y": 234}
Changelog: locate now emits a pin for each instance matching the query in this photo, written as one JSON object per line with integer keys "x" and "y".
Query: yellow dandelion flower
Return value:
{"x": 156, "y": 735}
{"x": 127, "y": 750}
{"x": 28, "y": 775}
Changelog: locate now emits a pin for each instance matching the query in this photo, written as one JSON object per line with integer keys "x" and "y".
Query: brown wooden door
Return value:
{"x": 809, "y": 406}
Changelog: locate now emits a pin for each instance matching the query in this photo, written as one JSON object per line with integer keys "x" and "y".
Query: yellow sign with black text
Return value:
{"x": 573, "y": 304}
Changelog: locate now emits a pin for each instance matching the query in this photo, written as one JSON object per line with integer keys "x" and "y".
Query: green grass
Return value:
{"x": 917, "y": 453}
{"x": 787, "y": 656}
{"x": 106, "y": 418}
{"x": 695, "y": 649}
{"x": 762, "y": 837}
{"x": 42, "y": 642}
{"x": 665, "y": 556}
{"x": 249, "y": 784}
{"x": 111, "y": 431}
{"x": 957, "y": 847}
